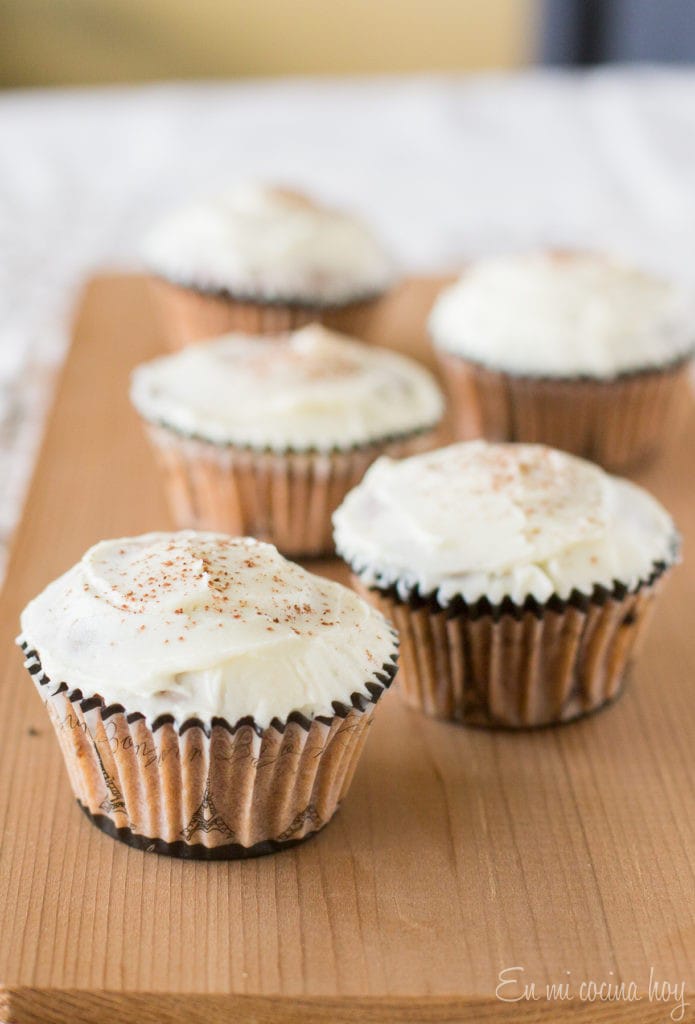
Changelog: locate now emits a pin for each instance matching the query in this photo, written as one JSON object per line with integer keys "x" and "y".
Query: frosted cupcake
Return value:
{"x": 266, "y": 436}
{"x": 261, "y": 260}
{"x": 574, "y": 351}
{"x": 210, "y": 698}
{"x": 520, "y": 578}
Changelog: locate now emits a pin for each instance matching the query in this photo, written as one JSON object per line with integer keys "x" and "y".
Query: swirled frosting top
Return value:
{"x": 270, "y": 244}
{"x": 481, "y": 520}
{"x": 552, "y": 315}
{"x": 312, "y": 389}
{"x": 204, "y": 625}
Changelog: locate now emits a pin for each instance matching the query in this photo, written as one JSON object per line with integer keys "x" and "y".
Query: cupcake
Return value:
{"x": 265, "y": 436}
{"x": 573, "y": 351}
{"x": 520, "y": 578}
{"x": 261, "y": 260}
{"x": 211, "y": 699}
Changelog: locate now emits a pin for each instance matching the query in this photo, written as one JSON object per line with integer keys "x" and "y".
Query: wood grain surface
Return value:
{"x": 459, "y": 854}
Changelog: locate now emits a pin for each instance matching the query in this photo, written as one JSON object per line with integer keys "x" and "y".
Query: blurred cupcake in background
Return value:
{"x": 211, "y": 699}
{"x": 519, "y": 578}
{"x": 261, "y": 259}
{"x": 571, "y": 350}
{"x": 266, "y": 435}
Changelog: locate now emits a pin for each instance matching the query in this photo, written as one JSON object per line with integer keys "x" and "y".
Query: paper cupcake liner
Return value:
{"x": 187, "y": 315}
{"x": 217, "y": 792}
{"x": 511, "y": 666}
{"x": 286, "y": 498}
{"x": 618, "y": 423}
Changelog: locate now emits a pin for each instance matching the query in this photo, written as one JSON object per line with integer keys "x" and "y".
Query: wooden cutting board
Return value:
{"x": 567, "y": 854}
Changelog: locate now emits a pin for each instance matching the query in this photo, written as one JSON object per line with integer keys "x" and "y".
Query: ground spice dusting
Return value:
{"x": 235, "y": 585}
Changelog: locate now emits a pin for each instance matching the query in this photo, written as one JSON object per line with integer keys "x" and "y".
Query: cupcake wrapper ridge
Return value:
{"x": 207, "y": 792}
{"x": 286, "y": 498}
{"x": 188, "y": 315}
{"x": 618, "y": 423}
{"x": 515, "y": 666}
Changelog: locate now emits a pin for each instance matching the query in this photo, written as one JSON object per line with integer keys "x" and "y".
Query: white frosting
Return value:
{"x": 563, "y": 316}
{"x": 500, "y": 520}
{"x": 312, "y": 389}
{"x": 203, "y": 625}
{"x": 270, "y": 244}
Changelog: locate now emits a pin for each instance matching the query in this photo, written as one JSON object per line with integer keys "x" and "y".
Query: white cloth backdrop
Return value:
{"x": 445, "y": 167}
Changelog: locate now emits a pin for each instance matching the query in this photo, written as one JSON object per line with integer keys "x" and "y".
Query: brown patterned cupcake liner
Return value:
{"x": 207, "y": 792}
{"x": 517, "y": 666}
{"x": 618, "y": 423}
{"x": 286, "y": 498}
{"x": 187, "y": 315}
